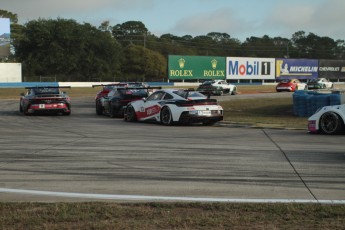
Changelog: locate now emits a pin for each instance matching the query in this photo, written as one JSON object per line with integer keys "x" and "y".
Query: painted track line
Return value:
{"x": 161, "y": 198}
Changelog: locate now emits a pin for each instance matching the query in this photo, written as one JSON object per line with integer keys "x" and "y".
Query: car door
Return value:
{"x": 150, "y": 108}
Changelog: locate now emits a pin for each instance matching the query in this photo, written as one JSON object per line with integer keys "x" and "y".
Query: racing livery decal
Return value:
{"x": 148, "y": 112}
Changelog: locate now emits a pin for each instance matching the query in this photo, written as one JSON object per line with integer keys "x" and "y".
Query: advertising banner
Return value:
{"x": 4, "y": 37}
{"x": 332, "y": 69}
{"x": 242, "y": 68}
{"x": 296, "y": 68}
{"x": 196, "y": 67}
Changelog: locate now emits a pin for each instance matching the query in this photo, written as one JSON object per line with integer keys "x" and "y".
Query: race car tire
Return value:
{"x": 66, "y": 113}
{"x": 166, "y": 117}
{"x": 130, "y": 114}
{"x": 20, "y": 109}
{"x": 234, "y": 91}
{"x": 99, "y": 108}
{"x": 331, "y": 123}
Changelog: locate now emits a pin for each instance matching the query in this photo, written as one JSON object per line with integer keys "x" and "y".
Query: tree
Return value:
{"x": 131, "y": 32}
{"x": 6, "y": 14}
{"x": 313, "y": 46}
{"x": 67, "y": 49}
{"x": 141, "y": 64}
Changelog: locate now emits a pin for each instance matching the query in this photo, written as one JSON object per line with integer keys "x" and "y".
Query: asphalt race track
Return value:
{"x": 88, "y": 157}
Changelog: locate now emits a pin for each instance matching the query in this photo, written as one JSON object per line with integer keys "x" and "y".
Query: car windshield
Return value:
{"x": 134, "y": 91}
{"x": 185, "y": 94}
{"x": 313, "y": 81}
{"x": 208, "y": 83}
{"x": 39, "y": 91}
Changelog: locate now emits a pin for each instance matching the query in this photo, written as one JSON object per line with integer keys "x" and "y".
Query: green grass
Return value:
{"x": 263, "y": 112}
{"x": 98, "y": 215}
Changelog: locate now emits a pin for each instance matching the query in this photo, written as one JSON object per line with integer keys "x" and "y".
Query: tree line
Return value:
{"x": 71, "y": 51}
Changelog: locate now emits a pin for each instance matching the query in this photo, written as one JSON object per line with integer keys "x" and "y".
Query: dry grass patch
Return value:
{"x": 98, "y": 215}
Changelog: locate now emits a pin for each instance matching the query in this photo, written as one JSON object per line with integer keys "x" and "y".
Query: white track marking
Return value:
{"x": 162, "y": 198}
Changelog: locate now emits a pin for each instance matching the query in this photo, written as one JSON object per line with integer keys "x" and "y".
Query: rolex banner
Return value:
{"x": 196, "y": 67}
{"x": 332, "y": 69}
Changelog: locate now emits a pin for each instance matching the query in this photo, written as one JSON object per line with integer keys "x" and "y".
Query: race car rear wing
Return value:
{"x": 45, "y": 87}
{"x": 150, "y": 87}
{"x": 114, "y": 84}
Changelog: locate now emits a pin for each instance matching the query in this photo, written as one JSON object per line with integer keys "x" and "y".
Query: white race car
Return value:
{"x": 328, "y": 120}
{"x": 172, "y": 106}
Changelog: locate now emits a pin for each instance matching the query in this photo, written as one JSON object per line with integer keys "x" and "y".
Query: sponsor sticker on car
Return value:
{"x": 204, "y": 113}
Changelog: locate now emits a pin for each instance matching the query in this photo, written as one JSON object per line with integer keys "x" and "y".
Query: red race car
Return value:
{"x": 107, "y": 88}
{"x": 290, "y": 85}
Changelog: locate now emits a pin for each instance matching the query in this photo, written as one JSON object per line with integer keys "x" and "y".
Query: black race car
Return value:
{"x": 116, "y": 100}
{"x": 45, "y": 99}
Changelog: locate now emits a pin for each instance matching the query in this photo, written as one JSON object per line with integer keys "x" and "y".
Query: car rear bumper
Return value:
{"x": 49, "y": 108}
{"x": 215, "y": 116}
{"x": 289, "y": 89}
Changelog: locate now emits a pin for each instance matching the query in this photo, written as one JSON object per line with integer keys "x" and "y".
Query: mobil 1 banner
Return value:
{"x": 242, "y": 68}
{"x": 196, "y": 67}
{"x": 296, "y": 68}
{"x": 332, "y": 69}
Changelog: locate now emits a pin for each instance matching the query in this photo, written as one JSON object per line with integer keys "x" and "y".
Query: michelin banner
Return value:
{"x": 196, "y": 67}
{"x": 242, "y": 68}
{"x": 332, "y": 69}
{"x": 296, "y": 68}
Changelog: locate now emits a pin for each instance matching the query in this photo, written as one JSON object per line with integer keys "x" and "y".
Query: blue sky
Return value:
{"x": 238, "y": 18}
{"x": 4, "y": 26}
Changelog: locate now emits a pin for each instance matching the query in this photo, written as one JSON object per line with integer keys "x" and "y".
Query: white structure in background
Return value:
{"x": 10, "y": 72}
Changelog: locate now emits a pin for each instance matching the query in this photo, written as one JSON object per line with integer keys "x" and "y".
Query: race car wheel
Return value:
{"x": 166, "y": 117}
{"x": 331, "y": 123}
{"x": 234, "y": 91}
{"x": 99, "y": 108}
{"x": 20, "y": 109}
{"x": 130, "y": 114}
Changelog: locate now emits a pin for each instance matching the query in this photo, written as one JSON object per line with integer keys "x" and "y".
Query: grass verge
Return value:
{"x": 98, "y": 215}
{"x": 263, "y": 112}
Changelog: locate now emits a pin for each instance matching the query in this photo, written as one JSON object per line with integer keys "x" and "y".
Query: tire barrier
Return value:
{"x": 306, "y": 103}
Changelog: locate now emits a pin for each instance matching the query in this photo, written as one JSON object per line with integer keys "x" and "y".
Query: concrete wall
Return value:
{"x": 10, "y": 72}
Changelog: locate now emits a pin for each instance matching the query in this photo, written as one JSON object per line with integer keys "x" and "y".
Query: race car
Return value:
{"x": 217, "y": 87}
{"x": 115, "y": 101}
{"x": 107, "y": 88}
{"x": 319, "y": 83}
{"x": 290, "y": 85}
{"x": 175, "y": 106}
{"x": 45, "y": 99}
{"x": 328, "y": 120}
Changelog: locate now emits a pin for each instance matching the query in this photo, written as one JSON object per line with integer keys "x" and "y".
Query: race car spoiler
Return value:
{"x": 114, "y": 84}
{"x": 45, "y": 87}
{"x": 129, "y": 87}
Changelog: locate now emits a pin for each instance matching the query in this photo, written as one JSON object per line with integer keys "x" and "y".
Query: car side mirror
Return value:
{"x": 144, "y": 99}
